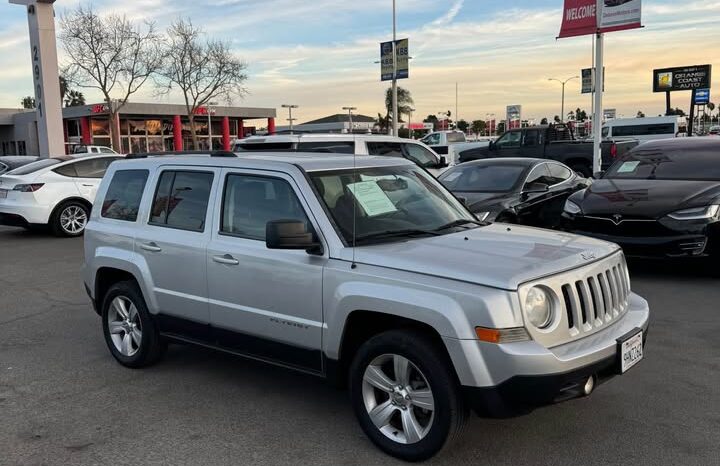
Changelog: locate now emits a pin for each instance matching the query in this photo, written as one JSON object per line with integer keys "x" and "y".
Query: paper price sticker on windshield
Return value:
{"x": 628, "y": 167}
{"x": 371, "y": 198}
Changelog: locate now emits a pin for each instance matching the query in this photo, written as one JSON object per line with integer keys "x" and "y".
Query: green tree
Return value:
{"x": 544, "y": 121}
{"x": 676, "y": 111}
{"x": 581, "y": 115}
{"x": 404, "y": 101}
{"x": 28, "y": 102}
{"x": 501, "y": 127}
{"x": 557, "y": 119}
{"x": 478, "y": 126}
{"x": 640, "y": 114}
{"x": 463, "y": 125}
{"x": 432, "y": 119}
{"x": 64, "y": 87}
{"x": 74, "y": 99}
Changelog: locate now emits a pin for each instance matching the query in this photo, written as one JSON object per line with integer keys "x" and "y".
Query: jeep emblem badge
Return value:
{"x": 588, "y": 256}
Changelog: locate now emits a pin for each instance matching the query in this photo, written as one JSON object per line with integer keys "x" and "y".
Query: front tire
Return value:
{"x": 405, "y": 395}
{"x": 130, "y": 332}
{"x": 70, "y": 219}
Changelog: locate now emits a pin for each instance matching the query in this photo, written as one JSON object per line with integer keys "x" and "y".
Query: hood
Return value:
{"x": 498, "y": 256}
{"x": 645, "y": 198}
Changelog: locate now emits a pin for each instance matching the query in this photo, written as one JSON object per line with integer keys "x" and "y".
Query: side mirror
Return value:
{"x": 492, "y": 145}
{"x": 291, "y": 234}
{"x": 443, "y": 162}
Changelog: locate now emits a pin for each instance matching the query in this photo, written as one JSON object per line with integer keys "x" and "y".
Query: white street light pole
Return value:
{"x": 598, "y": 107}
{"x": 394, "y": 81}
{"x": 290, "y": 117}
{"x": 410, "y": 130}
{"x": 562, "y": 108}
{"x": 210, "y": 111}
{"x": 350, "y": 110}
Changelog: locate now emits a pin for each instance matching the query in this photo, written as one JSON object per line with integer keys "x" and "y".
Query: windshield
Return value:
{"x": 483, "y": 178}
{"x": 389, "y": 203}
{"x": 691, "y": 165}
{"x": 35, "y": 166}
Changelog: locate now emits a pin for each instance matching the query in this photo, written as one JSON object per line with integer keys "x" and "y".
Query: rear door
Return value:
{"x": 172, "y": 242}
{"x": 89, "y": 173}
{"x": 532, "y": 144}
{"x": 264, "y": 303}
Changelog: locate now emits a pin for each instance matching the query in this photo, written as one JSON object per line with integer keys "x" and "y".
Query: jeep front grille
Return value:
{"x": 587, "y": 300}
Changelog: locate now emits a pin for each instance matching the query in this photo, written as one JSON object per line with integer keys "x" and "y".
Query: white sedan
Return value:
{"x": 57, "y": 192}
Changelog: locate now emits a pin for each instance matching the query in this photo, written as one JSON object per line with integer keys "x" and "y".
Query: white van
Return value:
{"x": 643, "y": 129}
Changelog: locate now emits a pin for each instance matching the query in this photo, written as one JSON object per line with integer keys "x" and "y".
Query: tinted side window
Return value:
{"x": 250, "y": 202}
{"x": 539, "y": 174}
{"x": 420, "y": 155}
{"x": 532, "y": 138}
{"x": 94, "y": 168}
{"x": 122, "y": 200}
{"x": 388, "y": 149}
{"x": 264, "y": 146}
{"x": 67, "y": 170}
{"x": 181, "y": 200}
{"x": 558, "y": 173}
{"x": 511, "y": 139}
{"x": 334, "y": 147}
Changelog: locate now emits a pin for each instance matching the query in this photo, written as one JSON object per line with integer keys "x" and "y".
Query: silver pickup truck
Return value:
{"x": 362, "y": 270}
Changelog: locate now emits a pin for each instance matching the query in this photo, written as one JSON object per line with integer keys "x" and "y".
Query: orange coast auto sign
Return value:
{"x": 582, "y": 17}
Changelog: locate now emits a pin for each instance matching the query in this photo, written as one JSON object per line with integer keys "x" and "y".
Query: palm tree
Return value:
{"x": 64, "y": 87}
{"x": 74, "y": 99}
{"x": 404, "y": 101}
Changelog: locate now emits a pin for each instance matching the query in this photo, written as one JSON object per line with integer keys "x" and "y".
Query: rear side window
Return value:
{"x": 264, "y": 146}
{"x": 94, "y": 168}
{"x": 333, "y": 147}
{"x": 181, "y": 200}
{"x": 388, "y": 149}
{"x": 122, "y": 200}
{"x": 455, "y": 137}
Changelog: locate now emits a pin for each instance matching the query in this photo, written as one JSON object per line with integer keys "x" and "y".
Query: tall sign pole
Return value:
{"x": 46, "y": 77}
{"x": 598, "y": 103}
{"x": 394, "y": 81}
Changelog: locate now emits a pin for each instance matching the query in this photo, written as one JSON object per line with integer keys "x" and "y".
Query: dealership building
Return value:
{"x": 143, "y": 127}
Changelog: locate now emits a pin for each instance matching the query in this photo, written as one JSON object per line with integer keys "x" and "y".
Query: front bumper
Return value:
{"x": 528, "y": 373}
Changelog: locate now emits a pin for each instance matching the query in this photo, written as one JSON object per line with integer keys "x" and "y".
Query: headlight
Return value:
{"x": 539, "y": 307}
{"x": 572, "y": 208}
{"x": 482, "y": 216}
{"x": 697, "y": 213}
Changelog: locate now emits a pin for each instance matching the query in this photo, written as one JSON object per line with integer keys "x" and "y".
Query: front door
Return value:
{"x": 172, "y": 243}
{"x": 263, "y": 303}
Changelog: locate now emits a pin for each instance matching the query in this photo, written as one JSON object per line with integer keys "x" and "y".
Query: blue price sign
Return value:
{"x": 702, "y": 96}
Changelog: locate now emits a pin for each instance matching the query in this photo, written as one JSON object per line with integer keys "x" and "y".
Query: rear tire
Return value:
{"x": 130, "y": 332}
{"x": 69, "y": 219}
{"x": 405, "y": 395}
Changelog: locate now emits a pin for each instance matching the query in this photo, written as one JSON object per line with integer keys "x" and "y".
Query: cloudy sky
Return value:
{"x": 320, "y": 54}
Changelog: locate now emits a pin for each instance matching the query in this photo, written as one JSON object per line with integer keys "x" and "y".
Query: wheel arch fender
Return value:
{"x": 120, "y": 263}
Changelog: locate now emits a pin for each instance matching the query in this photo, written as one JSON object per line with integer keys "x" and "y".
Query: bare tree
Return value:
{"x": 111, "y": 54}
{"x": 203, "y": 69}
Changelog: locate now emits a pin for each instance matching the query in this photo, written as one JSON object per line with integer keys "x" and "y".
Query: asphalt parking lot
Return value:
{"x": 64, "y": 400}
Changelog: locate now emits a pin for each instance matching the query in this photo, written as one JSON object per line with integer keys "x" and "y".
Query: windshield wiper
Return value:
{"x": 397, "y": 234}
{"x": 461, "y": 222}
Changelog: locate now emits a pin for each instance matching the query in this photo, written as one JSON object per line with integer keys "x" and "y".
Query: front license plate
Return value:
{"x": 631, "y": 351}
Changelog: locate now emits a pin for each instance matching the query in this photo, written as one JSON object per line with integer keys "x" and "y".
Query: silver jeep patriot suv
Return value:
{"x": 362, "y": 270}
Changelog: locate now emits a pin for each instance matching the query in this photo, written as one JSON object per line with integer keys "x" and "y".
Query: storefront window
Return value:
{"x": 155, "y": 144}
{"x": 168, "y": 127}
{"x": 138, "y": 145}
{"x": 169, "y": 144}
{"x": 233, "y": 127}
{"x": 73, "y": 128}
{"x": 217, "y": 127}
{"x": 137, "y": 127}
{"x": 124, "y": 127}
{"x": 100, "y": 127}
{"x": 101, "y": 142}
{"x": 154, "y": 127}
{"x": 126, "y": 145}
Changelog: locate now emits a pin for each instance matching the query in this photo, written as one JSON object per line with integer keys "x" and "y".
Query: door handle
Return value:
{"x": 151, "y": 246}
{"x": 88, "y": 185}
{"x": 227, "y": 259}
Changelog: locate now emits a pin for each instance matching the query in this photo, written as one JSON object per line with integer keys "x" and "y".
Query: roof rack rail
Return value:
{"x": 215, "y": 153}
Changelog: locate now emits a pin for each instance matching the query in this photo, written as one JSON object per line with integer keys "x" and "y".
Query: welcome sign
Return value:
{"x": 583, "y": 17}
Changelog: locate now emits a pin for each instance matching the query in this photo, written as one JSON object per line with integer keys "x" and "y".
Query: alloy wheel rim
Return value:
{"x": 124, "y": 326}
{"x": 73, "y": 219}
{"x": 398, "y": 399}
